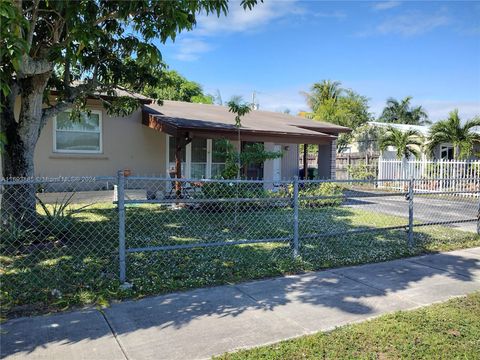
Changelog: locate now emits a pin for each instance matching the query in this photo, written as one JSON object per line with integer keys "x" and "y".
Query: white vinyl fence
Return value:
{"x": 437, "y": 175}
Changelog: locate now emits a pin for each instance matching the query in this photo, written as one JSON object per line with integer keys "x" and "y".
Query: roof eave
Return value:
{"x": 159, "y": 122}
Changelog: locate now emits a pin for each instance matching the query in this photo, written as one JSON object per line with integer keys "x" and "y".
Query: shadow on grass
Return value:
{"x": 83, "y": 267}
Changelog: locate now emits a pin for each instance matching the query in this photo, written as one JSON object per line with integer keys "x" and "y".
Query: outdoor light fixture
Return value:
{"x": 286, "y": 148}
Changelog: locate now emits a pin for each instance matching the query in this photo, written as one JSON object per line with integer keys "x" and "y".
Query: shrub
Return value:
{"x": 58, "y": 216}
{"x": 13, "y": 233}
{"x": 326, "y": 189}
{"x": 361, "y": 171}
{"x": 232, "y": 190}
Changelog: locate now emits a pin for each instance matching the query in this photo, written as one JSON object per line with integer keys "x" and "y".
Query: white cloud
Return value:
{"x": 240, "y": 20}
{"x": 385, "y": 5}
{"x": 189, "y": 49}
{"x": 409, "y": 24}
{"x": 237, "y": 20}
{"x": 333, "y": 14}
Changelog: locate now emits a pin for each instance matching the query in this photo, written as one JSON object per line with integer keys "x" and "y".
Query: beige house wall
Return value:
{"x": 289, "y": 161}
{"x": 126, "y": 145}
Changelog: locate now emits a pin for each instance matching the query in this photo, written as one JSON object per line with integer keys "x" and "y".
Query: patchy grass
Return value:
{"x": 450, "y": 330}
{"x": 79, "y": 263}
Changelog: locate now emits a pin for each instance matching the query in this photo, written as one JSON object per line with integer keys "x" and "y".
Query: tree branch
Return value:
{"x": 33, "y": 23}
{"x": 31, "y": 67}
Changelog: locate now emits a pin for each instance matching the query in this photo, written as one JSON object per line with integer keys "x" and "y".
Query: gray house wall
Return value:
{"x": 327, "y": 155}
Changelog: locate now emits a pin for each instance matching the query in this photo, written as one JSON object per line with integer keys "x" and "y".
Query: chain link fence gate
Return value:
{"x": 81, "y": 238}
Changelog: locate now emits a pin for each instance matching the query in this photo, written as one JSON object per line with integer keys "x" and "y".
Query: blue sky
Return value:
{"x": 429, "y": 50}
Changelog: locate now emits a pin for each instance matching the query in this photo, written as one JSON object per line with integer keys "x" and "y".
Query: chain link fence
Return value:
{"x": 86, "y": 240}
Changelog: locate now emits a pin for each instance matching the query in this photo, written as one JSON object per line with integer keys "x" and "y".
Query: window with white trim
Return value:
{"x": 200, "y": 159}
{"x": 446, "y": 152}
{"x": 218, "y": 159}
{"x": 82, "y": 135}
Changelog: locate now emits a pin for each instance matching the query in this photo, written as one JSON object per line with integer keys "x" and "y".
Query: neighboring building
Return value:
{"x": 145, "y": 141}
{"x": 442, "y": 151}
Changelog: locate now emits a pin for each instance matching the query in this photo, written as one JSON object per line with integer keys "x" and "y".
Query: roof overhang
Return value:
{"x": 213, "y": 130}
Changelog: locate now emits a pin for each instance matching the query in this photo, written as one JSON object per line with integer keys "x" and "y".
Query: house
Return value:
{"x": 441, "y": 151}
{"x": 155, "y": 137}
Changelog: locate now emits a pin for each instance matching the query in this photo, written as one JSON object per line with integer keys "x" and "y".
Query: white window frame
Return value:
{"x": 100, "y": 125}
{"x": 188, "y": 159}
{"x": 445, "y": 147}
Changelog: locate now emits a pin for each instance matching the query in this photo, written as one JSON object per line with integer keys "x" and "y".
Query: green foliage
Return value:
{"x": 173, "y": 86}
{"x": 323, "y": 91}
{"x": 58, "y": 216}
{"x": 252, "y": 153}
{"x": 367, "y": 138}
{"x": 239, "y": 109}
{"x": 406, "y": 143}
{"x": 317, "y": 191}
{"x": 3, "y": 141}
{"x": 361, "y": 171}
{"x": 452, "y": 131}
{"x": 13, "y": 233}
{"x": 329, "y": 102}
{"x": 203, "y": 99}
{"x": 215, "y": 190}
{"x": 401, "y": 112}
{"x": 12, "y": 45}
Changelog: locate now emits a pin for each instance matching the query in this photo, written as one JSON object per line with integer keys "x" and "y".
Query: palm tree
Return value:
{"x": 406, "y": 143}
{"x": 401, "y": 112}
{"x": 323, "y": 91}
{"x": 452, "y": 131}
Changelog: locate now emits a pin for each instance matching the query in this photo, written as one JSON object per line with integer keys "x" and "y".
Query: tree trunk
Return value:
{"x": 18, "y": 201}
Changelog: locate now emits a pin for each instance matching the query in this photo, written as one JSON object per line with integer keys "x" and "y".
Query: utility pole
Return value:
{"x": 254, "y": 100}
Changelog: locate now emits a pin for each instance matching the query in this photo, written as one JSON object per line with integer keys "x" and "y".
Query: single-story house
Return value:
{"x": 145, "y": 142}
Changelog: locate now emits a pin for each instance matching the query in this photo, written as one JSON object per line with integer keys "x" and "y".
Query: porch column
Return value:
{"x": 305, "y": 162}
{"x": 178, "y": 165}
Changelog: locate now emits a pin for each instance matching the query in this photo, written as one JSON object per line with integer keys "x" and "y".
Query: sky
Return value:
{"x": 425, "y": 49}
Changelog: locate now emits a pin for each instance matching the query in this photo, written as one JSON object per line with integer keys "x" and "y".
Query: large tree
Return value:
{"x": 406, "y": 143}
{"x": 75, "y": 50}
{"x": 402, "y": 112}
{"x": 329, "y": 102}
{"x": 173, "y": 86}
{"x": 452, "y": 131}
{"x": 320, "y": 92}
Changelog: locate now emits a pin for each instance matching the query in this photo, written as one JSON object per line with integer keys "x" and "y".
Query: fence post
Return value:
{"x": 295, "y": 216}
{"x": 121, "y": 224}
{"x": 478, "y": 218}
{"x": 410, "y": 212}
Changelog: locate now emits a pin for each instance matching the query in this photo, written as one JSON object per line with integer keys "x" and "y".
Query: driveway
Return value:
{"x": 204, "y": 322}
{"x": 426, "y": 208}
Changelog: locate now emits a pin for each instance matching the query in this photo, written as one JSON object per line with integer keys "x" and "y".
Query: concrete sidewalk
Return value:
{"x": 200, "y": 323}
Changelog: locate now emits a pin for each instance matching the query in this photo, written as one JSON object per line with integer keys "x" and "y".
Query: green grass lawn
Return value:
{"x": 450, "y": 330}
{"x": 79, "y": 263}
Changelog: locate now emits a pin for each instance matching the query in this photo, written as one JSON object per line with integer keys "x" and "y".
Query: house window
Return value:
{"x": 218, "y": 158}
{"x": 82, "y": 135}
{"x": 199, "y": 158}
{"x": 446, "y": 152}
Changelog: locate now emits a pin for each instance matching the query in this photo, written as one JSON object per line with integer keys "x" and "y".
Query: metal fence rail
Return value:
{"x": 78, "y": 236}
